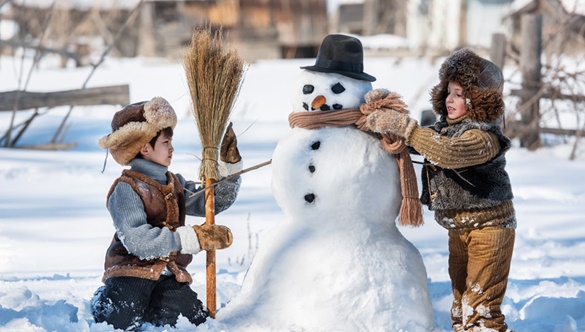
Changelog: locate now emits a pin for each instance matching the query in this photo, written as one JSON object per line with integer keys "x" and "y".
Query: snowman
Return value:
{"x": 338, "y": 261}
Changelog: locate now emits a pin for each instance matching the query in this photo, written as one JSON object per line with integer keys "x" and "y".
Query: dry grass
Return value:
{"x": 214, "y": 74}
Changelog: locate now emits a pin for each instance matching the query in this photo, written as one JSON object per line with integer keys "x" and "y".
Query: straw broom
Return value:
{"x": 214, "y": 76}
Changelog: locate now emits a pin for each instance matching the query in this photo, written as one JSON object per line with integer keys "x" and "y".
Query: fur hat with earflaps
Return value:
{"x": 482, "y": 82}
{"x": 135, "y": 125}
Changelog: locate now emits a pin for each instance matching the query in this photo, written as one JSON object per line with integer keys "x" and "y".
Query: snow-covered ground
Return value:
{"x": 54, "y": 226}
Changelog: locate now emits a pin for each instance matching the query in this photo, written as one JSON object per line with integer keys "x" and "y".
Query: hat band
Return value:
{"x": 340, "y": 65}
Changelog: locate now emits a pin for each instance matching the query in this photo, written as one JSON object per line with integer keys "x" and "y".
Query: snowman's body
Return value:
{"x": 338, "y": 261}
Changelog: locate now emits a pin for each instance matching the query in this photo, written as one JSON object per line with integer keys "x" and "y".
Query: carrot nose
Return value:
{"x": 318, "y": 102}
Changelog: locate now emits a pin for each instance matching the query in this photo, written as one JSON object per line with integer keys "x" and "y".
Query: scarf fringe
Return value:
{"x": 411, "y": 213}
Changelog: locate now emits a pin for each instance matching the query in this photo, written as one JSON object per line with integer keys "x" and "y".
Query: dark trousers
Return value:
{"x": 127, "y": 302}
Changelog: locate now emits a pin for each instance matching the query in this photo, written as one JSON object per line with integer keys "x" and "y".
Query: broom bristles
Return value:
{"x": 214, "y": 75}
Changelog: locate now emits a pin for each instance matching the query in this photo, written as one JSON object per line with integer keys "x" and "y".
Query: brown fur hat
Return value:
{"x": 482, "y": 82}
{"x": 135, "y": 125}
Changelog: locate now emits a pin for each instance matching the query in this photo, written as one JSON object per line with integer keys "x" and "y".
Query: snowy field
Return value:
{"x": 54, "y": 226}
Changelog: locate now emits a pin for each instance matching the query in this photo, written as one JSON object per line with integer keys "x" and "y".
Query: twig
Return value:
{"x": 5, "y": 2}
{"x": 23, "y": 129}
{"x": 8, "y": 142}
{"x": 24, "y": 123}
{"x": 231, "y": 176}
{"x": 96, "y": 65}
{"x": 455, "y": 171}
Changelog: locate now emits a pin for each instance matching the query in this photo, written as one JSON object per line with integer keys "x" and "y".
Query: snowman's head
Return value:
{"x": 316, "y": 91}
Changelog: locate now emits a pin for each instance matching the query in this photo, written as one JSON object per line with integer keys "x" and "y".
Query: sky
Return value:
{"x": 55, "y": 228}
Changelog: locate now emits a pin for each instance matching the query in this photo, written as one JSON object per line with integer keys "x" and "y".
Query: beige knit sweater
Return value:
{"x": 473, "y": 147}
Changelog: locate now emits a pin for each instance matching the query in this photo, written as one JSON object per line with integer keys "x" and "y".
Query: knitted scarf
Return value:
{"x": 411, "y": 208}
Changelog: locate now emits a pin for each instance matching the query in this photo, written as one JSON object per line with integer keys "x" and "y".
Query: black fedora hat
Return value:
{"x": 341, "y": 54}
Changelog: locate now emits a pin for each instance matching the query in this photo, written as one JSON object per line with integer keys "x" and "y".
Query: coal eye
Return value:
{"x": 308, "y": 88}
{"x": 337, "y": 88}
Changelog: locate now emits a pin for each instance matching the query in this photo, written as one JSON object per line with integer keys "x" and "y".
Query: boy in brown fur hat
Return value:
{"x": 146, "y": 277}
{"x": 464, "y": 181}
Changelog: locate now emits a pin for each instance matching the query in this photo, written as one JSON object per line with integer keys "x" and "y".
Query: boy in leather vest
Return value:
{"x": 465, "y": 183}
{"x": 146, "y": 277}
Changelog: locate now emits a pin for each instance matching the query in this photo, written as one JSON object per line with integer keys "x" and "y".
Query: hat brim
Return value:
{"x": 358, "y": 76}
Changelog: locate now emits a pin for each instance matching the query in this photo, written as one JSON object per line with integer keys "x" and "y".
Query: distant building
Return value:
{"x": 448, "y": 24}
{"x": 282, "y": 28}
{"x": 258, "y": 28}
{"x": 434, "y": 26}
{"x": 370, "y": 17}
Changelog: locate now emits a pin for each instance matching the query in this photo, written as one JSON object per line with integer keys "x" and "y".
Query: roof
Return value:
{"x": 571, "y": 6}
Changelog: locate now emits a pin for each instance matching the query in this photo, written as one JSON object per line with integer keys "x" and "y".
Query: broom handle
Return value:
{"x": 210, "y": 263}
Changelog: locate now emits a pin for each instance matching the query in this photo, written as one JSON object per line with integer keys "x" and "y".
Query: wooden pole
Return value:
{"x": 210, "y": 261}
{"x": 463, "y": 22}
{"x": 146, "y": 41}
{"x": 498, "y": 50}
{"x": 531, "y": 48}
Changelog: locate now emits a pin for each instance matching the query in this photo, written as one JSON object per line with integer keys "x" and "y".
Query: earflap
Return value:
{"x": 125, "y": 143}
{"x": 438, "y": 96}
{"x": 485, "y": 105}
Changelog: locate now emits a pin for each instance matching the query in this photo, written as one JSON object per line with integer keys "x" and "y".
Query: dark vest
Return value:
{"x": 165, "y": 207}
{"x": 479, "y": 186}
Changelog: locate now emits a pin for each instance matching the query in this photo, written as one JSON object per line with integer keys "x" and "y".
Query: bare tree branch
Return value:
{"x": 96, "y": 65}
{"x": 8, "y": 142}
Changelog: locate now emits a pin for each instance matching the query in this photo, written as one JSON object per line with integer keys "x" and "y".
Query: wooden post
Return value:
{"x": 530, "y": 52}
{"x": 371, "y": 18}
{"x": 498, "y": 50}
{"x": 463, "y": 22}
{"x": 146, "y": 41}
{"x": 210, "y": 261}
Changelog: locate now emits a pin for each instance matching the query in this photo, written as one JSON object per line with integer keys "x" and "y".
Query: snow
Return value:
{"x": 333, "y": 5}
{"x": 54, "y": 227}
{"x": 574, "y": 6}
{"x": 383, "y": 42}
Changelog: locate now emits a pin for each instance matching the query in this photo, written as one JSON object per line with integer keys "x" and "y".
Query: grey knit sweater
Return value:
{"x": 129, "y": 216}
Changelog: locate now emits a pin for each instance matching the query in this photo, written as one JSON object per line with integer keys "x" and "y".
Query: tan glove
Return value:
{"x": 389, "y": 121}
{"x": 213, "y": 237}
{"x": 229, "y": 147}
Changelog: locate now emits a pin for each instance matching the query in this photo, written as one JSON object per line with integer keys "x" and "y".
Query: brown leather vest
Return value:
{"x": 165, "y": 207}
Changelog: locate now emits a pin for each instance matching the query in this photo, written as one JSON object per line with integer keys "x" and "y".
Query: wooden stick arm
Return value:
{"x": 231, "y": 176}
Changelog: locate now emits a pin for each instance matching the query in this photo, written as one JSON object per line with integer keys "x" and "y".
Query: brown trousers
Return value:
{"x": 479, "y": 264}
